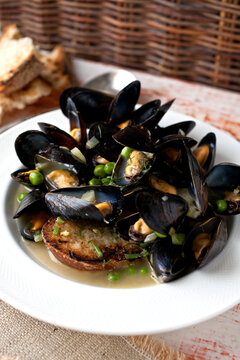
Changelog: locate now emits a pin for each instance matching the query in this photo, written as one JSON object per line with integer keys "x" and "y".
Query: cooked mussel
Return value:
{"x": 58, "y": 136}
{"x": 161, "y": 211}
{"x": 205, "y": 151}
{"x": 28, "y": 144}
{"x": 91, "y": 203}
{"x": 206, "y": 240}
{"x": 168, "y": 260}
{"x": 224, "y": 182}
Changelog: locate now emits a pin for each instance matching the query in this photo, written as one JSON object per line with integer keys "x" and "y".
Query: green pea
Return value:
{"x": 126, "y": 151}
{"x": 105, "y": 181}
{"x": 94, "y": 182}
{"x": 143, "y": 270}
{"x": 99, "y": 171}
{"x": 221, "y": 205}
{"x": 36, "y": 178}
{"x": 22, "y": 196}
{"x": 160, "y": 235}
{"x": 131, "y": 270}
{"x": 178, "y": 239}
{"x": 113, "y": 276}
{"x": 108, "y": 168}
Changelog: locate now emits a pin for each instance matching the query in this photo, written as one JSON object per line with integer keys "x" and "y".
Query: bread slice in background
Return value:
{"x": 19, "y": 64}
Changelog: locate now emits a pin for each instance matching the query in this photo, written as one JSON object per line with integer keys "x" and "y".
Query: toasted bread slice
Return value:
{"x": 34, "y": 91}
{"x": 85, "y": 248}
{"x": 18, "y": 64}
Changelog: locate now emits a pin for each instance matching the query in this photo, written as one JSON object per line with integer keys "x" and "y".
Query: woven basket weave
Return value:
{"x": 198, "y": 40}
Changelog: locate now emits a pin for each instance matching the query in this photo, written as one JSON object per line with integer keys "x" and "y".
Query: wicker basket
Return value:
{"x": 198, "y": 40}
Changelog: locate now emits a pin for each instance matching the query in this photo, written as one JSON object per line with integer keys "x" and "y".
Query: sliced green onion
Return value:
{"x": 106, "y": 261}
{"x": 132, "y": 256}
{"x": 56, "y": 230}
{"x": 98, "y": 251}
{"x": 178, "y": 239}
{"x": 60, "y": 220}
{"x": 160, "y": 235}
{"x": 38, "y": 236}
{"x": 115, "y": 235}
{"x": 79, "y": 233}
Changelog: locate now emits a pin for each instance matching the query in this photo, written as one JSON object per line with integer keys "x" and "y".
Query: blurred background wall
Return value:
{"x": 197, "y": 40}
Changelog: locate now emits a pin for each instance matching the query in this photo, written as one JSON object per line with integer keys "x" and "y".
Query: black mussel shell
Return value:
{"x": 167, "y": 260}
{"x": 224, "y": 175}
{"x": 161, "y": 211}
{"x": 173, "y": 141}
{"x": 103, "y": 133}
{"x": 206, "y": 151}
{"x": 124, "y": 102}
{"x": 58, "y": 136}
{"x": 181, "y": 128}
{"x": 28, "y": 144}
{"x": 135, "y": 137}
{"x": 77, "y": 121}
{"x": 72, "y": 208}
{"x": 206, "y": 240}
{"x": 68, "y": 202}
{"x": 146, "y": 113}
{"x": 123, "y": 225}
{"x": 93, "y": 105}
{"x": 33, "y": 201}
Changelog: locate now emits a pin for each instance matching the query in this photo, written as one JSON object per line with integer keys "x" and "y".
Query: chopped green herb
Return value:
{"x": 38, "y": 237}
{"x": 160, "y": 235}
{"x": 113, "y": 276}
{"x": 38, "y": 232}
{"x": 178, "y": 239}
{"x": 56, "y": 230}
{"x": 79, "y": 233}
{"x": 132, "y": 256}
{"x": 98, "y": 251}
{"x": 144, "y": 253}
{"x": 60, "y": 220}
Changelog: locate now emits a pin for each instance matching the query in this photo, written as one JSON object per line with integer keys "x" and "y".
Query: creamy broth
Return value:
{"x": 39, "y": 253}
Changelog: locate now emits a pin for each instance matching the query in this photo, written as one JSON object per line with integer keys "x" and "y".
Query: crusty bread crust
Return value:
{"x": 80, "y": 254}
{"x": 21, "y": 75}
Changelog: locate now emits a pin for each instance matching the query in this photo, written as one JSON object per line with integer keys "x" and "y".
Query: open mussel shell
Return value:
{"x": 58, "y": 136}
{"x": 77, "y": 122}
{"x": 172, "y": 141}
{"x": 161, "y": 211}
{"x": 71, "y": 203}
{"x": 146, "y": 113}
{"x": 167, "y": 260}
{"x": 28, "y": 144}
{"x": 129, "y": 172}
{"x": 33, "y": 201}
{"x": 123, "y": 225}
{"x": 224, "y": 175}
{"x": 22, "y": 176}
{"x": 181, "y": 128}
{"x": 136, "y": 137}
{"x": 206, "y": 240}
{"x": 124, "y": 102}
{"x": 205, "y": 151}
{"x": 92, "y": 105}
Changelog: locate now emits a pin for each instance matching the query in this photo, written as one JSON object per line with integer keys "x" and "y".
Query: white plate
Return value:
{"x": 36, "y": 291}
